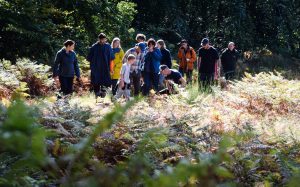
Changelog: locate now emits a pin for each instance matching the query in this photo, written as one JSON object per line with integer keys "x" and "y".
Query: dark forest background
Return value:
{"x": 36, "y": 29}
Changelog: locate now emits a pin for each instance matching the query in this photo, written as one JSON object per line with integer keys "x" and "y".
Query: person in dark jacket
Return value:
{"x": 65, "y": 67}
{"x": 100, "y": 56}
{"x": 229, "y": 58}
{"x": 151, "y": 67}
{"x": 166, "y": 55}
{"x": 207, "y": 64}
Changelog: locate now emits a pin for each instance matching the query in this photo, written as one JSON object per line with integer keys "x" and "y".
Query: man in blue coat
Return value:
{"x": 100, "y": 56}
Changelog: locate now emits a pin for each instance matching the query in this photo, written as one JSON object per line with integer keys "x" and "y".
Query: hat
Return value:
{"x": 101, "y": 36}
{"x": 141, "y": 45}
{"x": 163, "y": 67}
{"x": 204, "y": 41}
{"x": 182, "y": 41}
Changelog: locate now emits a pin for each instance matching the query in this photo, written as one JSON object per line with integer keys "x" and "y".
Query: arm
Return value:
{"x": 194, "y": 56}
{"x": 182, "y": 81}
{"x": 112, "y": 55}
{"x": 199, "y": 63}
{"x": 76, "y": 67}
{"x": 169, "y": 60}
{"x": 179, "y": 55}
{"x": 217, "y": 65}
{"x": 57, "y": 62}
{"x": 125, "y": 56}
{"x": 90, "y": 55}
{"x": 157, "y": 54}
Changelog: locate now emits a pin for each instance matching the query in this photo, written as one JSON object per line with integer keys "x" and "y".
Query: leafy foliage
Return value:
{"x": 52, "y": 22}
{"x": 250, "y": 24}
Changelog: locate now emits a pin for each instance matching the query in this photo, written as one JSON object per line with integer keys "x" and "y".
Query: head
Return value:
{"x": 140, "y": 47}
{"x": 161, "y": 44}
{"x": 131, "y": 59}
{"x": 151, "y": 43}
{"x": 102, "y": 38}
{"x": 116, "y": 43}
{"x": 69, "y": 45}
{"x": 164, "y": 70}
{"x": 140, "y": 38}
{"x": 231, "y": 46}
{"x": 205, "y": 43}
{"x": 184, "y": 44}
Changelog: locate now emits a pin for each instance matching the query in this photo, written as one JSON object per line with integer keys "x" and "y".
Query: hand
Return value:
{"x": 56, "y": 80}
{"x": 79, "y": 79}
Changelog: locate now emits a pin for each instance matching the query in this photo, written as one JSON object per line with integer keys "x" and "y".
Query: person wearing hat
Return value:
{"x": 187, "y": 56}
{"x": 100, "y": 57}
{"x": 207, "y": 64}
{"x": 135, "y": 70}
{"x": 229, "y": 58}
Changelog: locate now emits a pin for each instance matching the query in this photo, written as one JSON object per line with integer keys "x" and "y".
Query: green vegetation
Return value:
{"x": 245, "y": 135}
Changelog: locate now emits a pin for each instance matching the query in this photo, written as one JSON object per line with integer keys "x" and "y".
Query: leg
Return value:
{"x": 127, "y": 92}
{"x": 69, "y": 86}
{"x": 147, "y": 83}
{"x": 181, "y": 71}
{"x": 136, "y": 78}
{"x": 114, "y": 86}
{"x": 119, "y": 93}
{"x": 62, "y": 84}
{"x": 155, "y": 80}
{"x": 189, "y": 76}
{"x": 96, "y": 88}
{"x": 66, "y": 84}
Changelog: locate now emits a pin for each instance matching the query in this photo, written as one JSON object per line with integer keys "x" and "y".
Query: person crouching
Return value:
{"x": 124, "y": 82}
{"x": 171, "y": 77}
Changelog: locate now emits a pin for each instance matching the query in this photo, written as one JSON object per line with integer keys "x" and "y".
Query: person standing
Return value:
{"x": 166, "y": 55}
{"x": 65, "y": 67}
{"x": 187, "y": 56}
{"x": 151, "y": 67}
{"x": 117, "y": 63}
{"x": 135, "y": 69}
{"x": 100, "y": 56}
{"x": 124, "y": 82}
{"x": 229, "y": 59}
{"x": 141, "y": 38}
{"x": 207, "y": 64}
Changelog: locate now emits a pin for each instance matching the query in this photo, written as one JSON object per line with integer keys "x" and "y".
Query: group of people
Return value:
{"x": 146, "y": 66}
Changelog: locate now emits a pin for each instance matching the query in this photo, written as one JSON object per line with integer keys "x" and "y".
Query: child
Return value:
{"x": 124, "y": 82}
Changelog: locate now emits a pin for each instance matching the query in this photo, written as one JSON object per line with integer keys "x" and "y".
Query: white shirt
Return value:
{"x": 125, "y": 71}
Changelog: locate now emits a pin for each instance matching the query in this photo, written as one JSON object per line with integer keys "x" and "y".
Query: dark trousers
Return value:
{"x": 66, "y": 85}
{"x": 99, "y": 90}
{"x": 230, "y": 75}
{"x": 189, "y": 75}
{"x": 135, "y": 79}
{"x": 205, "y": 80}
{"x": 114, "y": 86}
{"x": 150, "y": 80}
